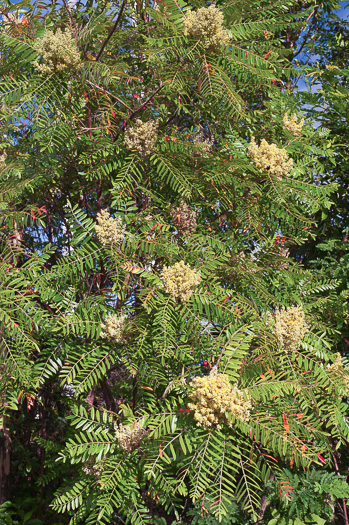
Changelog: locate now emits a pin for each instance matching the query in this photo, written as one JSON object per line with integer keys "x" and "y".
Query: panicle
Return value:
{"x": 93, "y": 468}
{"x": 10, "y": 19}
{"x": 270, "y": 158}
{"x": 109, "y": 230}
{"x": 142, "y": 136}
{"x": 203, "y": 147}
{"x": 340, "y": 371}
{"x": 183, "y": 218}
{"x": 3, "y": 157}
{"x": 206, "y": 23}
{"x": 213, "y": 396}
{"x": 293, "y": 125}
{"x": 290, "y": 327}
{"x": 129, "y": 438}
{"x": 279, "y": 264}
{"x": 58, "y": 51}
{"x": 240, "y": 262}
{"x": 113, "y": 328}
{"x": 179, "y": 280}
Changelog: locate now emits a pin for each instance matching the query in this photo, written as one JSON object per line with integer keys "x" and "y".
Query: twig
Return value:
{"x": 142, "y": 106}
{"x": 111, "y": 32}
{"x": 71, "y": 18}
{"x": 108, "y": 93}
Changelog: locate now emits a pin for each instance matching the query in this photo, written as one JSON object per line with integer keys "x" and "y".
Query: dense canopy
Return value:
{"x": 173, "y": 291}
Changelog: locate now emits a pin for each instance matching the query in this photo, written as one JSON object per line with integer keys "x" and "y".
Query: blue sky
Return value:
{"x": 343, "y": 13}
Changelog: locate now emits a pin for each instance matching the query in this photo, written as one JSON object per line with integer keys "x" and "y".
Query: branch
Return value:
{"x": 108, "y": 93}
{"x": 305, "y": 40}
{"x": 142, "y": 106}
{"x": 71, "y": 18}
{"x": 111, "y": 32}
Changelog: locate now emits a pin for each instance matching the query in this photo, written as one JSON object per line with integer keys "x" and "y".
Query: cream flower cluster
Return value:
{"x": 11, "y": 18}
{"x": 58, "y": 51}
{"x": 142, "y": 137}
{"x": 183, "y": 218}
{"x": 3, "y": 156}
{"x": 281, "y": 265}
{"x": 91, "y": 468}
{"x": 214, "y": 396}
{"x": 270, "y": 158}
{"x": 203, "y": 147}
{"x": 128, "y": 437}
{"x": 206, "y": 23}
{"x": 179, "y": 280}
{"x": 241, "y": 262}
{"x": 293, "y": 125}
{"x": 109, "y": 230}
{"x": 339, "y": 370}
{"x": 290, "y": 327}
{"x": 113, "y": 328}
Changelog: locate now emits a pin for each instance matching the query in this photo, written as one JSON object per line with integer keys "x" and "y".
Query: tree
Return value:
{"x": 163, "y": 169}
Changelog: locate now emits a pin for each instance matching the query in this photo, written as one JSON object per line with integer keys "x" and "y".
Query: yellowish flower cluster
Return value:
{"x": 293, "y": 125}
{"x": 91, "y": 468}
{"x": 129, "y": 438}
{"x": 11, "y": 18}
{"x": 214, "y": 396}
{"x": 58, "y": 51}
{"x": 270, "y": 158}
{"x": 339, "y": 370}
{"x": 290, "y": 327}
{"x": 109, "y": 230}
{"x": 203, "y": 148}
{"x": 184, "y": 218}
{"x": 281, "y": 265}
{"x": 179, "y": 280}
{"x": 142, "y": 137}
{"x": 206, "y": 23}
{"x": 3, "y": 156}
{"x": 113, "y": 328}
{"x": 240, "y": 262}
{"x": 331, "y": 67}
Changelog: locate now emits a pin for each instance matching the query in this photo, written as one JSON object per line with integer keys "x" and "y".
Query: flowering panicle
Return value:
{"x": 338, "y": 369}
{"x": 93, "y": 468}
{"x": 183, "y": 218}
{"x": 58, "y": 51}
{"x": 129, "y": 438}
{"x": 109, "y": 230}
{"x": 179, "y": 280}
{"x": 279, "y": 264}
{"x": 270, "y": 158}
{"x": 293, "y": 125}
{"x": 11, "y": 19}
{"x": 240, "y": 262}
{"x": 3, "y": 157}
{"x": 290, "y": 327}
{"x": 214, "y": 396}
{"x": 203, "y": 147}
{"x": 113, "y": 328}
{"x": 142, "y": 137}
{"x": 206, "y": 23}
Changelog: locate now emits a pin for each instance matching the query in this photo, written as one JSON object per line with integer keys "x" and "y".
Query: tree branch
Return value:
{"x": 111, "y": 32}
{"x": 108, "y": 93}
